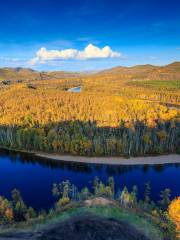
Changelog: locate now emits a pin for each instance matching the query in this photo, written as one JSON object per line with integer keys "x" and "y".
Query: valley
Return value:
{"x": 119, "y": 127}
{"x": 119, "y": 112}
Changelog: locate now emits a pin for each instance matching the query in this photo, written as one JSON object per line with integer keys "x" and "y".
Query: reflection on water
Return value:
{"x": 34, "y": 176}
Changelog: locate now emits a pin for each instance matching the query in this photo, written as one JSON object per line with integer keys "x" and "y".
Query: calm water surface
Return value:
{"x": 75, "y": 89}
{"x": 34, "y": 177}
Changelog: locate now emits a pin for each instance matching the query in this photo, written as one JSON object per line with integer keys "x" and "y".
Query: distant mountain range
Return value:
{"x": 22, "y": 74}
{"x": 148, "y": 72}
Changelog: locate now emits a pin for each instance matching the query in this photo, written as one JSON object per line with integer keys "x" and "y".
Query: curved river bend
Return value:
{"x": 34, "y": 177}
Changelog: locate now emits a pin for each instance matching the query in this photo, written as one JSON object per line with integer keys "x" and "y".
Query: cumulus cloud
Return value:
{"x": 90, "y": 52}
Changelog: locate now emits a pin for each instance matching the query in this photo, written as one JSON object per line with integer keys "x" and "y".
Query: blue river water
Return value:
{"x": 34, "y": 177}
{"x": 75, "y": 89}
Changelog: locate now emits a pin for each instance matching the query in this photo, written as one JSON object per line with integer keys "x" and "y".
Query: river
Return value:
{"x": 34, "y": 176}
{"x": 75, "y": 89}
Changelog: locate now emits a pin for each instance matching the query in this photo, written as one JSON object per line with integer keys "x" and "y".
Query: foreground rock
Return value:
{"x": 86, "y": 227}
{"x": 99, "y": 201}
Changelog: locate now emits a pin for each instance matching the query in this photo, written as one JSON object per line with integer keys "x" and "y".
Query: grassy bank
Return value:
{"x": 145, "y": 226}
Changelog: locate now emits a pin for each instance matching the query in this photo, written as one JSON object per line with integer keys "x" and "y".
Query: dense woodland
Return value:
{"x": 122, "y": 111}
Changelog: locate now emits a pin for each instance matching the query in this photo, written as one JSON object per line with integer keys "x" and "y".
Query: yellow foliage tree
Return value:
{"x": 174, "y": 213}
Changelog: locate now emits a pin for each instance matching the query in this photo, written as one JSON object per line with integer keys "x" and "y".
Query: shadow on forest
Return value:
{"x": 87, "y": 138}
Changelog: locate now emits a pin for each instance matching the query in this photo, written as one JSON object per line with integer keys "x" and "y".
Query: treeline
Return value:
{"x": 162, "y": 213}
{"x": 166, "y": 91}
{"x": 85, "y": 138}
{"x": 86, "y": 124}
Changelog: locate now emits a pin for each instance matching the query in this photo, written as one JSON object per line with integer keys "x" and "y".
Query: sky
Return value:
{"x": 88, "y": 35}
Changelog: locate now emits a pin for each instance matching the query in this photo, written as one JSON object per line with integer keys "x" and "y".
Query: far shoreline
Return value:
{"x": 143, "y": 160}
{"x": 107, "y": 160}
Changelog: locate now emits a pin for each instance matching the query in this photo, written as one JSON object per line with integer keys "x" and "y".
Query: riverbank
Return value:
{"x": 143, "y": 160}
{"x": 149, "y": 160}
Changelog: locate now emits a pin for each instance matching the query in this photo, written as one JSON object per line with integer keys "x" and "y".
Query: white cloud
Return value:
{"x": 90, "y": 52}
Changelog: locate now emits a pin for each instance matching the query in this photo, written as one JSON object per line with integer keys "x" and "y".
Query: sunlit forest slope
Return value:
{"x": 121, "y": 111}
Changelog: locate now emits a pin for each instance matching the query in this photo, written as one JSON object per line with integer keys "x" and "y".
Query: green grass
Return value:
{"x": 140, "y": 223}
{"x": 143, "y": 225}
{"x": 158, "y": 84}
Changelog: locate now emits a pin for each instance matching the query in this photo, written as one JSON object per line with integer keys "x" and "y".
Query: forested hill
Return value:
{"x": 26, "y": 74}
{"x": 122, "y": 111}
{"x": 148, "y": 72}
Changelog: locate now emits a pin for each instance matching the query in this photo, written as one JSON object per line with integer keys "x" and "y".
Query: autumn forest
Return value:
{"x": 119, "y": 112}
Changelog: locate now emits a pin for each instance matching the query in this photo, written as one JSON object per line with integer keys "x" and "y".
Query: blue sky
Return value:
{"x": 138, "y": 31}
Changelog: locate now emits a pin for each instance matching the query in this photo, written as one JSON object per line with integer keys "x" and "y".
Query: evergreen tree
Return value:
{"x": 165, "y": 198}
{"x": 147, "y": 193}
{"x": 111, "y": 185}
{"x": 134, "y": 194}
